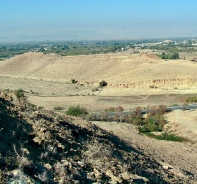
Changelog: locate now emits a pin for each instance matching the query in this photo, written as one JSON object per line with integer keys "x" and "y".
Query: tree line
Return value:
{"x": 175, "y": 55}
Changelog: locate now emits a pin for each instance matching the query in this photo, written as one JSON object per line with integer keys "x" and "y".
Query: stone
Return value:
{"x": 65, "y": 163}
{"x": 37, "y": 140}
{"x": 26, "y": 151}
{"x": 20, "y": 177}
{"x": 98, "y": 175}
{"x": 61, "y": 146}
{"x": 125, "y": 176}
{"x": 167, "y": 167}
{"x": 48, "y": 166}
{"x": 48, "y": 135}
{"x": 81, "y": 163}
{"x": 114, "y": 178}
{"x": 76, "y": 181}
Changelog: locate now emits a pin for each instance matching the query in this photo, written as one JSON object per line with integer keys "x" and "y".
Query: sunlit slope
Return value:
{"x": 119, "y": 70}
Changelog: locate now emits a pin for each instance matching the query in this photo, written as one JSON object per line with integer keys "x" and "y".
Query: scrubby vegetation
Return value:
{"x": 152, "y": 122}
{"x": 150, "y": 126}
{"x": 76, "y": 111}
{"x": 19, "y": 93}
{"x": 167, "y": 136}
{"x": 73, "y": 81}
{"x": 58, "y": 108}
{"x": 63, "y": 48}
{"x": 40, "y": 146}
{"x": 171, "y": 48}
{"x": 191, "y": 99}
{"x": 114, "y": 109}
{"x": 102, "y": 83}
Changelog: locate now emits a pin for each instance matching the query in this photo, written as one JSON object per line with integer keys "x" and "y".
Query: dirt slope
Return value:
{"x": 127, "y": 71}
{"x": 183, "y": 123}
{"x": 43, "y": 147}
{"x": 181, "y": 157}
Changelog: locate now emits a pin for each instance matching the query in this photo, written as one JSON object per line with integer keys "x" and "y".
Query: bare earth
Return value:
{"x": 50, "y": 94}
{"x": 133, "y": 80}
{"x": 183, "y": 123}
{"x": 127, "y": 73}
{"x": 181, "y": 157}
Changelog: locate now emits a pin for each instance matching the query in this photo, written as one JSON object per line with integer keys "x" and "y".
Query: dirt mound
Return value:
{"x": 143, "y": 71}
{"x": 43, "y": 146}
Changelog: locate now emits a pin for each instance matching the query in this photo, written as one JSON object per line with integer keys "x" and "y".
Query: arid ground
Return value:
{"x": 132, "y": 80}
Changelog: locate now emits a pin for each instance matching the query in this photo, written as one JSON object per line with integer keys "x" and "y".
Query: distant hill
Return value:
{"x": 134, "y": 71}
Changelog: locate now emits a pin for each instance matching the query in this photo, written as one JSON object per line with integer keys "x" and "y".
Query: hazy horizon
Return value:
{"x": 40, "y": 20}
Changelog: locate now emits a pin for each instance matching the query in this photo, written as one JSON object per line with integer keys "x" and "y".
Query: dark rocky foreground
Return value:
{"x": 39, "y": 146}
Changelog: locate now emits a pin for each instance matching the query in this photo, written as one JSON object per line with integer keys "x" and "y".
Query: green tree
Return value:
{"x": 163, "y": 56}
{"x": 175, "y": 55}
{"x": 76, "y": 111}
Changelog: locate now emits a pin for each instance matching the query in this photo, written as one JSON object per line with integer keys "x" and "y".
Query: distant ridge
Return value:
{"x": 139, "y": 71}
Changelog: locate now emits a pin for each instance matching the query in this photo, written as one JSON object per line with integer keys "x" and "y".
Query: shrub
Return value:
{"x": 110, "y": 109}
{"x": 76, "y": 111}
{"x": 150, "y": 127}
{"x": 117, "y": 114}
{"x": 74, "y": 81}
{"x": 32, "y": 106}
{"x": 114, "y": 109}
{"x": 167, "y": 136}
{"x": 191, "y": 99}
{"x": 19, "y": 93}
{"x": 154, "y": 121}
{"x": 102, "y": 83}
{"x": 160, "y": 110}
{"x": 174, "y": 105}
{"x": 58, "y": 108}
{"x": 119, "y": 109}
{"x": 136, "y": 117}
{"x": 95, "y": 89}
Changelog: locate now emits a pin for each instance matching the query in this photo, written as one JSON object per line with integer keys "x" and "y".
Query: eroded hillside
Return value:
{"x": 38, "y": 145}
{"x": 127, "y": 71}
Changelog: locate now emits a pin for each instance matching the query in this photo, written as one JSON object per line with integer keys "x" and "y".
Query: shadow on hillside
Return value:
{"x": 15, "y": 135}
{"x": 137, "y": 162}
{"x": 15, "y": 131}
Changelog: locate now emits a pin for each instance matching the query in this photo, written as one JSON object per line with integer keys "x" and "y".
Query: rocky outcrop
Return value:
{"x": 48, "y": 148}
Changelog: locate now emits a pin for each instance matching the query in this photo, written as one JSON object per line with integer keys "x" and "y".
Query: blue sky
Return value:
{"x": 38, "y": 20}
